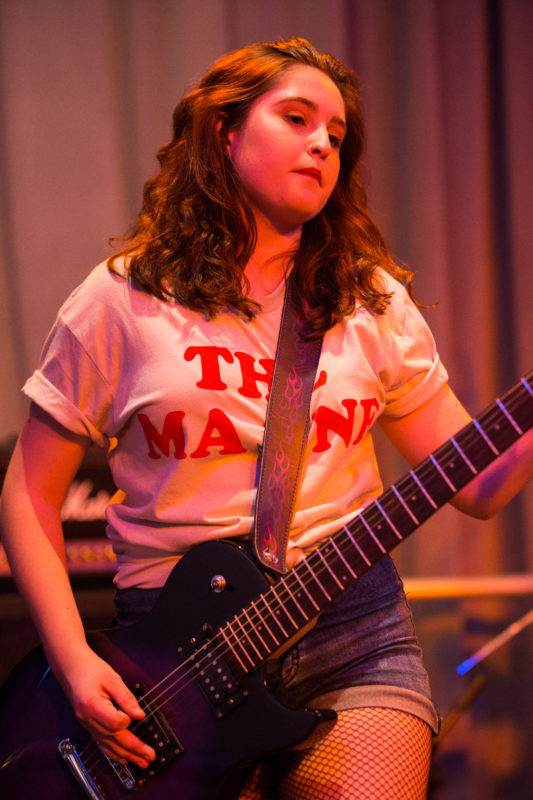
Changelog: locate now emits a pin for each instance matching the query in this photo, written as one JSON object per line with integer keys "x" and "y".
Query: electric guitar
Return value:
{"x": 196, "y": 661}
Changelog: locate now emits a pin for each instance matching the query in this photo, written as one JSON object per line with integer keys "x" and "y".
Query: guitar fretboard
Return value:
{"x": 295, "y": 599}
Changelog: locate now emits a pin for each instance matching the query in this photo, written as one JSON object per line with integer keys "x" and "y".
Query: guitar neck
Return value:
{"x": 296, "y": 598}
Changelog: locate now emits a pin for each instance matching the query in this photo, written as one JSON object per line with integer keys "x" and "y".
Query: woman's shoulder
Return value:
{"x": 389, "y": 284}
{"x": 102, "y": 289}
{"x": 102, "y": 281}
{"x": 395, "y": 307}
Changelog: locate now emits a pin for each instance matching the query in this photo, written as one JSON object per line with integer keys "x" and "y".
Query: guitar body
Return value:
{"x": 210, "y": 739}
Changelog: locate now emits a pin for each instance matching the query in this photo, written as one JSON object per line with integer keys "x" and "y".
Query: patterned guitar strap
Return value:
{"x": 286, "y": 433}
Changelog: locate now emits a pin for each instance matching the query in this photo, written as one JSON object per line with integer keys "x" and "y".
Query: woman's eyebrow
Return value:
{"x": 313, "y": 106}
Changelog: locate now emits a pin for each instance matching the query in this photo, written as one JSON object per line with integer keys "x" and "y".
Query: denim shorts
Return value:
{"x": 362, "y": 652}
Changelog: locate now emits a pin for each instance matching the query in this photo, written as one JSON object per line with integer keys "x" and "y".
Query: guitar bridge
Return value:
{"x": 214, "y": 674}
{"x": 69, "y": 753}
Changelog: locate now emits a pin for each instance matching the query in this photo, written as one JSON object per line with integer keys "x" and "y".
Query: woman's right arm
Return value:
{"x": 42, "y": 467}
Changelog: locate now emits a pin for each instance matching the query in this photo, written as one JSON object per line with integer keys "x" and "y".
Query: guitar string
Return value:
{"x": 221, "y": 650}
{"x": 210, "y": 652}
{"x": 218, "y": 650}
{"x": 278, "y": 598}
{"x": 454, "y": 454}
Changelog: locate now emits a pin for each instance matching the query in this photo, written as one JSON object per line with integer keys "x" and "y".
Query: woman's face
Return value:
{"x": 287, "y": 150}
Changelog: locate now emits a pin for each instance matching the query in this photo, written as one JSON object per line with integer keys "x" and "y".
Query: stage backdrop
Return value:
{"x": 87, "y": 88}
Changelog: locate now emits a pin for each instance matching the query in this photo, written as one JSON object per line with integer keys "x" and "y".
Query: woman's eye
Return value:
{"x": 295, "y": 119}
{"x": 334, "y": 140}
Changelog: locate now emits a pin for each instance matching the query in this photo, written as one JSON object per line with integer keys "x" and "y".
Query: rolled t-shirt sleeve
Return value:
{"x": 69, "y": 386}
{"x": 418, "y": 373}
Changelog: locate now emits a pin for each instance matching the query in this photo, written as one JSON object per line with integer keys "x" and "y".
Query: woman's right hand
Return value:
{"x": 44, "y": 462}
{"x": 103, "y": 704}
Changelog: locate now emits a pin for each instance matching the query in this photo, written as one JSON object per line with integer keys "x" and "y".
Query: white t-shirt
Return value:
{"x": 179, "y": 401}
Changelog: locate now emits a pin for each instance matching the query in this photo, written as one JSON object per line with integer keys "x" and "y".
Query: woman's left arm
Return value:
{"x": 419, "y": 433}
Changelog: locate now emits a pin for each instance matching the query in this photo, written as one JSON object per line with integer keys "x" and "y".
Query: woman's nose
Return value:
{"x": 319, "y": 141}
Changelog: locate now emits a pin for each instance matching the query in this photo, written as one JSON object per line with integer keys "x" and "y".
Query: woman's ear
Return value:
{"x": 227, "y": 135}
{"x": 229, "y": 141}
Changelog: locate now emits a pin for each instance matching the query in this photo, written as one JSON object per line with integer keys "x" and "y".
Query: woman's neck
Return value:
{"x": 270, "y": 260}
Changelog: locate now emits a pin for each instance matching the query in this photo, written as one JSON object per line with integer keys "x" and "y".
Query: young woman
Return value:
{"x": 164, "y": 357}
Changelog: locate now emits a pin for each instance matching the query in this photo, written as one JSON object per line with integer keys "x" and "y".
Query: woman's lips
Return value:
{"x": 312, "y": 172}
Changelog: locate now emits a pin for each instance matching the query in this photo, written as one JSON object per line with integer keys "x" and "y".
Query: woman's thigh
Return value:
{"x": 370, "y": 754}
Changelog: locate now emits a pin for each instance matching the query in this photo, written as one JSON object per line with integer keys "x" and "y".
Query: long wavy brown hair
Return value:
{"x": 196, "y": 232}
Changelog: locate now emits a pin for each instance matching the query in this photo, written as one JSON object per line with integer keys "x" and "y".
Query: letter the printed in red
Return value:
{"x": 251, "y": 377}
{"x": 172, "y": 432}
{"x": 209, "y": 359}
{"x": 227, "y": 438}
{"x": 328, "y": 420}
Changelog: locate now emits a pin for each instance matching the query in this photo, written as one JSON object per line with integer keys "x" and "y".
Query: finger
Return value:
{"x": 101, "y": 713}
{"x": 113, "y": 709}
{"x": 125, "y": 746}
{"x": 124, "y": 699}
{"x": 294, "y": 556}
{"x": 135, "y": 747}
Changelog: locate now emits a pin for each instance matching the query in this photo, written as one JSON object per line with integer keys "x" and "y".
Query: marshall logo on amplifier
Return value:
{"x": 83, "y": 514}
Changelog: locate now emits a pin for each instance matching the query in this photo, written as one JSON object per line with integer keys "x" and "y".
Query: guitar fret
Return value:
{"x": 339, "y": 584}
{"x": 404, "y": 504}
{"x": 486, "y": 438}
{"x": 390, "y": 522}
{"x": 243, "y": 665}
{"x": 302, "y": 584}
{"x": 441, "y": 471}
{"x": 464, "y": 456}
{"x": 316, "y": 579}
{"x": 247, "y": 636}
{"x": 354, "y": 542}
{"x": 283, "y": 605}
{"x": 275, "y": 617}
{"x": 253, "y": 604}
{"x": 372, "y": 534}
{"x": 348, "y": 567}
{"x": 515, "y": 425}
{"x": 294, "y": 600}
{"x": 422, "y": 489}
{"x": 256, "y": 630}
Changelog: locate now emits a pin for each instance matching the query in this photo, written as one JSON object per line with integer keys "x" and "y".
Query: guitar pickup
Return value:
{"x": 154, "y": 731}
{"x": 214, "y": 675}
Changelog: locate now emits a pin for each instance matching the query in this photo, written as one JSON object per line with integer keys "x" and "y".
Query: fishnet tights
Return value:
{"x": 370, "y": 754}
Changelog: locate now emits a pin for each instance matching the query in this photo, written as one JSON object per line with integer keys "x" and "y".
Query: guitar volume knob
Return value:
{"x": 218, "y": 583}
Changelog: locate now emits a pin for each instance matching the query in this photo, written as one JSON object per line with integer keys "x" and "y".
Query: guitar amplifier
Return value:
{"x": 83, "y": 514}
